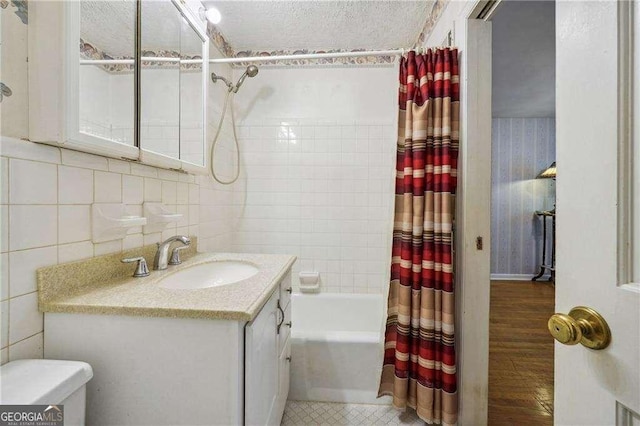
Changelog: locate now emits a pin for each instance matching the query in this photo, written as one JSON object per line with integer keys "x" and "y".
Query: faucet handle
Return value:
{"x": 141, "y": 269}
{"x": 175, "y": 255}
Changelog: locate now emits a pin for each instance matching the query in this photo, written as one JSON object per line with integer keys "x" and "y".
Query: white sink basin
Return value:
{"x": 210, "y": 274}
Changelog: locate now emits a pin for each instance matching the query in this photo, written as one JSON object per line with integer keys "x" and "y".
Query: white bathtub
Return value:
{"x": 336, "y": 347}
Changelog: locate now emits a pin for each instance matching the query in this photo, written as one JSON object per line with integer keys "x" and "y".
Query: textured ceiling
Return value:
{"x": 524, "y": 52}
{"x": 321, "y": 25}
{"x": 109, "y": 26}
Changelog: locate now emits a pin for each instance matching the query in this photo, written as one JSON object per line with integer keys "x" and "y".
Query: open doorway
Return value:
{"x": 522, "y": 203}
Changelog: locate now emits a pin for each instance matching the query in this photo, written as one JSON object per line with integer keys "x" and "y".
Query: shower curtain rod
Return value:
{"x": 311, "y": 56}
{"x": 258, "y": 58}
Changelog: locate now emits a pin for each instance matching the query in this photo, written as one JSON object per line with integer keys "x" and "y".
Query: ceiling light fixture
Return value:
{"x": 213, "y": 15}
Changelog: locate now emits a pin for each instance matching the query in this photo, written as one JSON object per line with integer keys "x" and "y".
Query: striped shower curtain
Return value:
{"x": 419, "y": 368}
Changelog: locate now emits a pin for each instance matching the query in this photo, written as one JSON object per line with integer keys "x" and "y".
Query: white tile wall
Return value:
{"x": 23, "y": 264}
{"x": 75, "y": 186}
{"x": 323, "y": 192}
{"x": 45, "y": 217}
{"x": 32, "y": 182}
{"x": 24, "y": 320}
{"x": 217, "y": 214}
{"x": 318, "y": 154}
{"x": 107, "y": 187}
{"x": 4, "y": 180}
{"x": 74, "y": 224}
{"x": 32, "y": 226}
{"x": 132, "y": 189}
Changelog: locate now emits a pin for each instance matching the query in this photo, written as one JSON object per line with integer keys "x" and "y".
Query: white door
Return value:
{"x": 595, "y": 262}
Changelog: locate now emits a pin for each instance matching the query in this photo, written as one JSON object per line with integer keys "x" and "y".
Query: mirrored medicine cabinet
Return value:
{"x": 123, "y": 79}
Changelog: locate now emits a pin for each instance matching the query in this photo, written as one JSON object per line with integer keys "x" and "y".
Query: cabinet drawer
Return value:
{"x": 285, "y": 291}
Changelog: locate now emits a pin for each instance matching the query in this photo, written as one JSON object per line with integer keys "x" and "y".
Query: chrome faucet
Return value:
{"x": 162, "y": 255}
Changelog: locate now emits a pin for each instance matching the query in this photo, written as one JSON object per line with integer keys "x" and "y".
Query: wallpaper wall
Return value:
{"x": 13, "y": 69}
{"x": 522, "y": 147}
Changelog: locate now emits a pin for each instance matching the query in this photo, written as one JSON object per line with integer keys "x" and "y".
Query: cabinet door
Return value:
{"x": 261, "y": 365}
{"x": 284, "y": 363}
{"x": 81, "y": 75}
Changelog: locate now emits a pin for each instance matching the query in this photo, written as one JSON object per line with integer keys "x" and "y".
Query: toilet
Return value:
{"x": 47, "y": 382}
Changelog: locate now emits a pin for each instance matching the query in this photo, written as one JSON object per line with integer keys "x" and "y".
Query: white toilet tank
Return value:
{"x": 47, "y": 382}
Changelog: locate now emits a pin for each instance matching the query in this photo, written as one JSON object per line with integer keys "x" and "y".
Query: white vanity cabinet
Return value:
{"x": 180, "y": 371}
{"x": 268, "y": 359}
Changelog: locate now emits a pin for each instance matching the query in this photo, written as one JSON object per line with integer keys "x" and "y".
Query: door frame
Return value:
{"x": 473, "y": 212}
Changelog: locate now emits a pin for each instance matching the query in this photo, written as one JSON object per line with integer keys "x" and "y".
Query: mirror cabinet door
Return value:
{"x": 146, "y": 105}
{"x": 192, "y": 95}
{"x": 161, "y": 24}
{"x": 106, "y": 80}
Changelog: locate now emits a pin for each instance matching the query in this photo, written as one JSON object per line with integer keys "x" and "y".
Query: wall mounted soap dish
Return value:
{"x": 111, "y": 221}
{"x": 159, "y": 217}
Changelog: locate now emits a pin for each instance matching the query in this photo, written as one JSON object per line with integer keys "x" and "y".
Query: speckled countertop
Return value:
{"x": 119, "y": 295}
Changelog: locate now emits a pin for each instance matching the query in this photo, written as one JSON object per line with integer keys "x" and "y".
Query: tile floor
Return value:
{"x": 308, "y": 413}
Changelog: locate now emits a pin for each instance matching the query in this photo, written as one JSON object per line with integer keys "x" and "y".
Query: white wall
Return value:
{"x": 318, "y": 153}
{"x": 521, "y": 148}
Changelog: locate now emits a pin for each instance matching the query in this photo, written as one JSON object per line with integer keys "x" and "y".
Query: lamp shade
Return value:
{"x": 548, "y": 173}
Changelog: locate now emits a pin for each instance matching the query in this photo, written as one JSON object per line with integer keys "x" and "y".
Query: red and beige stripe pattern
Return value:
{"x": 419, "y": 360}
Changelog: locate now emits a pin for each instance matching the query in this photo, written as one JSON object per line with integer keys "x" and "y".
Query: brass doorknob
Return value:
{"x": 582, "y": 325}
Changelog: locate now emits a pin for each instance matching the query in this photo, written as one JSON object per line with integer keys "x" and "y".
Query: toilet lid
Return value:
{"x": 41, "y": 381}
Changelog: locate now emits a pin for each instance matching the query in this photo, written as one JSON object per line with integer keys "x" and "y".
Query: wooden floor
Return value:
{"x": 520, "y": 354}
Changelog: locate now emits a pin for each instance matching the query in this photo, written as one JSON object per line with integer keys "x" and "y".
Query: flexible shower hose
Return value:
{"x": 215, "y": 141}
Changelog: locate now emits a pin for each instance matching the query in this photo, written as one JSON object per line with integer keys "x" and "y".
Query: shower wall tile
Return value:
{"x": 522, "y": 147}
{"x": 323, "y": 192}
{"x": 217, "y": 214}
{"x": 317, "y": 165}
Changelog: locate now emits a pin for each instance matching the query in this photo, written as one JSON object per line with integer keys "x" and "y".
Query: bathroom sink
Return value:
{"x": 210, "y": 274}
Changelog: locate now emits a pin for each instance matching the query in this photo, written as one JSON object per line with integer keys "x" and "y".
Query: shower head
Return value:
{"x": 251, "y": 71}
